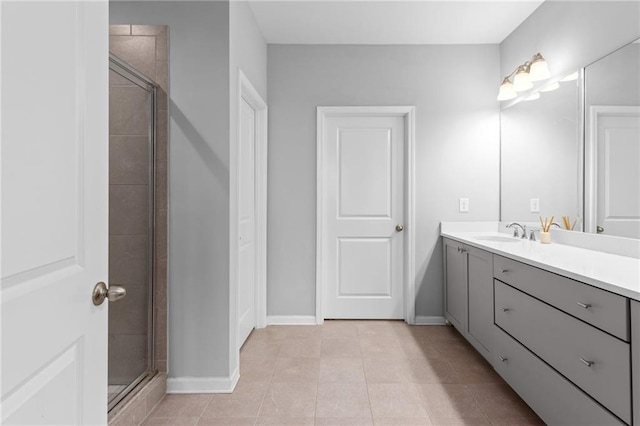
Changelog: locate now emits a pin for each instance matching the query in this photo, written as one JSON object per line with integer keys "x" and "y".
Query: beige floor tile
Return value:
{"x": 435, "y": 370}
{"x": 461, "y": 350}
{"x": 342, "y": 370}
{"x": 303, "y": 332}
{"x": 334, "y": 329}
{"x": 402, "y": 421}
{"x": 478, "y": 371}
{"x": 528, "y": 421}
{"x": 257, "y": 370}
{"x": 395, "y": 400}
{"x": 481, "y": 421}
{"x": 245, "y": 390}
{"x": 300, "y": 348}
{"x": 293, "y": 421}
{"x": 170, "y": 421}
{"x": 181, "y": 406}
{"x": 500, "y": 402}
{"x": 373, "y": 328}
{"x": 300, "y": 370}
{"x": 289, "y": 400}
{"x": 272, "y": 332}
{"x": 343, "y": 400}
{"x": 343, "y": 421}
{"x": 340, "y": 348}
{"x": 229, "y": 421}
{"x": 441, "y": 333}
{"x": 379, "y": 347}
{"x": 413, "y": 348}
{"x": 449, "y": 402}
{"x": 232, "y": 407}
{"x": 387, "y": 370}
{"x": 260, "y": 349}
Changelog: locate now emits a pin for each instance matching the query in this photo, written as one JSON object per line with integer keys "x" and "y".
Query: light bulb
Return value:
{"x": 521, "y": 80}
{"x": 506, "y": 91}
{"x": 539, "y": 69}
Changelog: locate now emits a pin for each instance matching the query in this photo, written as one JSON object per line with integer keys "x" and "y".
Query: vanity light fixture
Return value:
{"x": 534, "y": 70}
{"x": 550, "y": 87}
{"x": 533, "y": 97}
{"x": 571, "y": 77}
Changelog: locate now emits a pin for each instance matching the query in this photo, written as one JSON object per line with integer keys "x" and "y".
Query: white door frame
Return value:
{"x": 408, "y": 112}
{"x": 591, "y": 159}
{"x": 249, "y": 94}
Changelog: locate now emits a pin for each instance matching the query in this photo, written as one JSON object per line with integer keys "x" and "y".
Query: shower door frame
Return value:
{"x": 126, "y": 71}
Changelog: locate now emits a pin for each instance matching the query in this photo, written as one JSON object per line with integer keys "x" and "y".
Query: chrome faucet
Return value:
{"x": 516, "y": 234}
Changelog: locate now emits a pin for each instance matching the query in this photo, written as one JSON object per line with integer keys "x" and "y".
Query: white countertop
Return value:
{"x": 615, "y": 273}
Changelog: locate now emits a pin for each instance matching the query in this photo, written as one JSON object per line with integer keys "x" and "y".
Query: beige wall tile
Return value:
{"x": 129, "y": 160}
{"x": 148, "y": 30}
{"x": 162, "y": 70}
{"x": 162, "y": 145}
{"x": 130, "y": 313}
{"x": 128, "y": 209}
{"x": 161, "y": 235}
{"x": 128, "y": 259}
{"x": 161, "y": 185}
{"x": 119, "y": 29}
{"x": 181, "y": 406}
{"x": 129, "y": 109}
{"x": 127, "y": 356}
{"x": 137, "y": 51}
{"x": 161, "y": 333}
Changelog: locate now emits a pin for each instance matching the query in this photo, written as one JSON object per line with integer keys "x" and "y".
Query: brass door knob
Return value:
{"x": 101, "y": 292}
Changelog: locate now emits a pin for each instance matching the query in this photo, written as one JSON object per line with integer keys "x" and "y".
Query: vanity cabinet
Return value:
{"x": 635, "y": 359}
{"x": 469, "y": 293}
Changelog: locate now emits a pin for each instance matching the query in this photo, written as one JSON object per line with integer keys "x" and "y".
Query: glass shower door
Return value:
{"x": 131, "y": 217}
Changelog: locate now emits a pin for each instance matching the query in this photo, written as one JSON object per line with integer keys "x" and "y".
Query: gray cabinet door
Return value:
{"x": 635, "y": 359}
{"x": 455, "y": 284}
{"x": 480, "y": 297}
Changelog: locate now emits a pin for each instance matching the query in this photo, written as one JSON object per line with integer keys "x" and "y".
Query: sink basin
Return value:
{"x": 497, "y": 238}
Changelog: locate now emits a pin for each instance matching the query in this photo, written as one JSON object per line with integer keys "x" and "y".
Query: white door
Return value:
{"x": 363, "y": 214}
{"x": 54, "y": 212}
{"x": 246, "y": 244}
{"x": 618, "y": 171}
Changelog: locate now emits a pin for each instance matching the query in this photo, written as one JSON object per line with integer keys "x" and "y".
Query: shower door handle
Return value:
{"x": 113, "y": 293}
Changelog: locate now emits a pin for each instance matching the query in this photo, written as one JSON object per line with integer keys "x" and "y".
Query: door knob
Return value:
{"x": 599, "y": 229}
{"x": 113, "y": 293}
{"x": 399, "y": 228}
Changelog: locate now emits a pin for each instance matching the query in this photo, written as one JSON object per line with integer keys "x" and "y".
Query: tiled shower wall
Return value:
{"x": 145, "y": 48}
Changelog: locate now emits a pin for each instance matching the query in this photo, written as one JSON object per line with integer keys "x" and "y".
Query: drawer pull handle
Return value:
{"x": 584, "y": 305}
{"x": 585, "y": 362}
{"x": 505, "y": 309}
{"x": 504, "y": 271}
{"x": 503, "y": 359}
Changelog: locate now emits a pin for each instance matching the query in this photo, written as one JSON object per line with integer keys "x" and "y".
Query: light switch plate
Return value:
{"x": 535, "y": 205}
{"x": 464, "y": 205}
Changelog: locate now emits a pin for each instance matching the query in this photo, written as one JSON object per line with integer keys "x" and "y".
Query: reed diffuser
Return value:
{"x": 545, "y": 236}
{"x": 567, "y": 223}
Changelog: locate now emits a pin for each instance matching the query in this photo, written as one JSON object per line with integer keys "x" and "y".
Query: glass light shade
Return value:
{"x": 533, "y": 97}
{"x": 521, "y": 80}
{"x": 539, "y": 69}
{"x": 506, "y": 91}
{"x": 551, "y": 87}
{"x": 571, "y": 77}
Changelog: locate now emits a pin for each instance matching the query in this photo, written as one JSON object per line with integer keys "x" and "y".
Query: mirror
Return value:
{"x": 540, "y": 156}
{"x": 592, "y": 173}
{"x": 612, "y": 143}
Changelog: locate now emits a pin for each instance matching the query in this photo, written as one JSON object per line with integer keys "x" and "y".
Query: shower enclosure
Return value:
{"x": 132, "y": 151}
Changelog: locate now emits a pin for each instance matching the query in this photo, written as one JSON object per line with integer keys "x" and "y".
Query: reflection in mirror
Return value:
{"x": 612, "y": 144}
{"x": 540, "y": 157}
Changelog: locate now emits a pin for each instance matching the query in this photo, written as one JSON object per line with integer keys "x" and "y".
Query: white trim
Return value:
{"x": 591, "y": 158}
{"x": 291, "y": 320}
{"x": 203, "y": 384}
{"x": 409, "y": 184}
{"x": 430, "y": 320}
{"x": 247, "y": 92}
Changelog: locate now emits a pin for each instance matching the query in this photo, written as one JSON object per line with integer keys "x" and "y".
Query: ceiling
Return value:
{"x": 389, "y": 22}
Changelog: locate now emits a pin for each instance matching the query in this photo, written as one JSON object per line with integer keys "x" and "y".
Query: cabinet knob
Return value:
{"x": 503, "y": 359}
{"x": 504, "y": 271}
{"x": 584, "y": 305}
{"x": 505, "y": 309}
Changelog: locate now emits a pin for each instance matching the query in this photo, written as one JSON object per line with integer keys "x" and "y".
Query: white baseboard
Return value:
{"x": 291, "y": 320}
{"x": 423, "y": 320}
{"x": 203, "y": 384}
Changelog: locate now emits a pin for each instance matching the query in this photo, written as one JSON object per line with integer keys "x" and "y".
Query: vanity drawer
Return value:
{"x": 607, "y": 311}
{"x": 556, "y": 400}
{"x": 595, "y": 361}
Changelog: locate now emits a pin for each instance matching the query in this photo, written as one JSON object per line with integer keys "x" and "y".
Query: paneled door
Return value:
{"x": 54, "y": 212}
{"x": 617, "y": 176}
{"x": 362, "y": 215}
{"x": 247, "y": 216}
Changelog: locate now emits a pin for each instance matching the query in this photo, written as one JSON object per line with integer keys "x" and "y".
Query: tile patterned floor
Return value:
{"x": 355, "y": 373}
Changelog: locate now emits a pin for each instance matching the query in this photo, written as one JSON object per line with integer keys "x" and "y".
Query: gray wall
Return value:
{"x": 571, "y": 34}
{"x": 453, "y": 89}
{"x": 198, "y": 179}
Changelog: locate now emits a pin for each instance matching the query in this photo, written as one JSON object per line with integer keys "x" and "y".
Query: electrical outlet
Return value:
{"x": 534, "y": 205}
{"x": 464, "y": 205}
